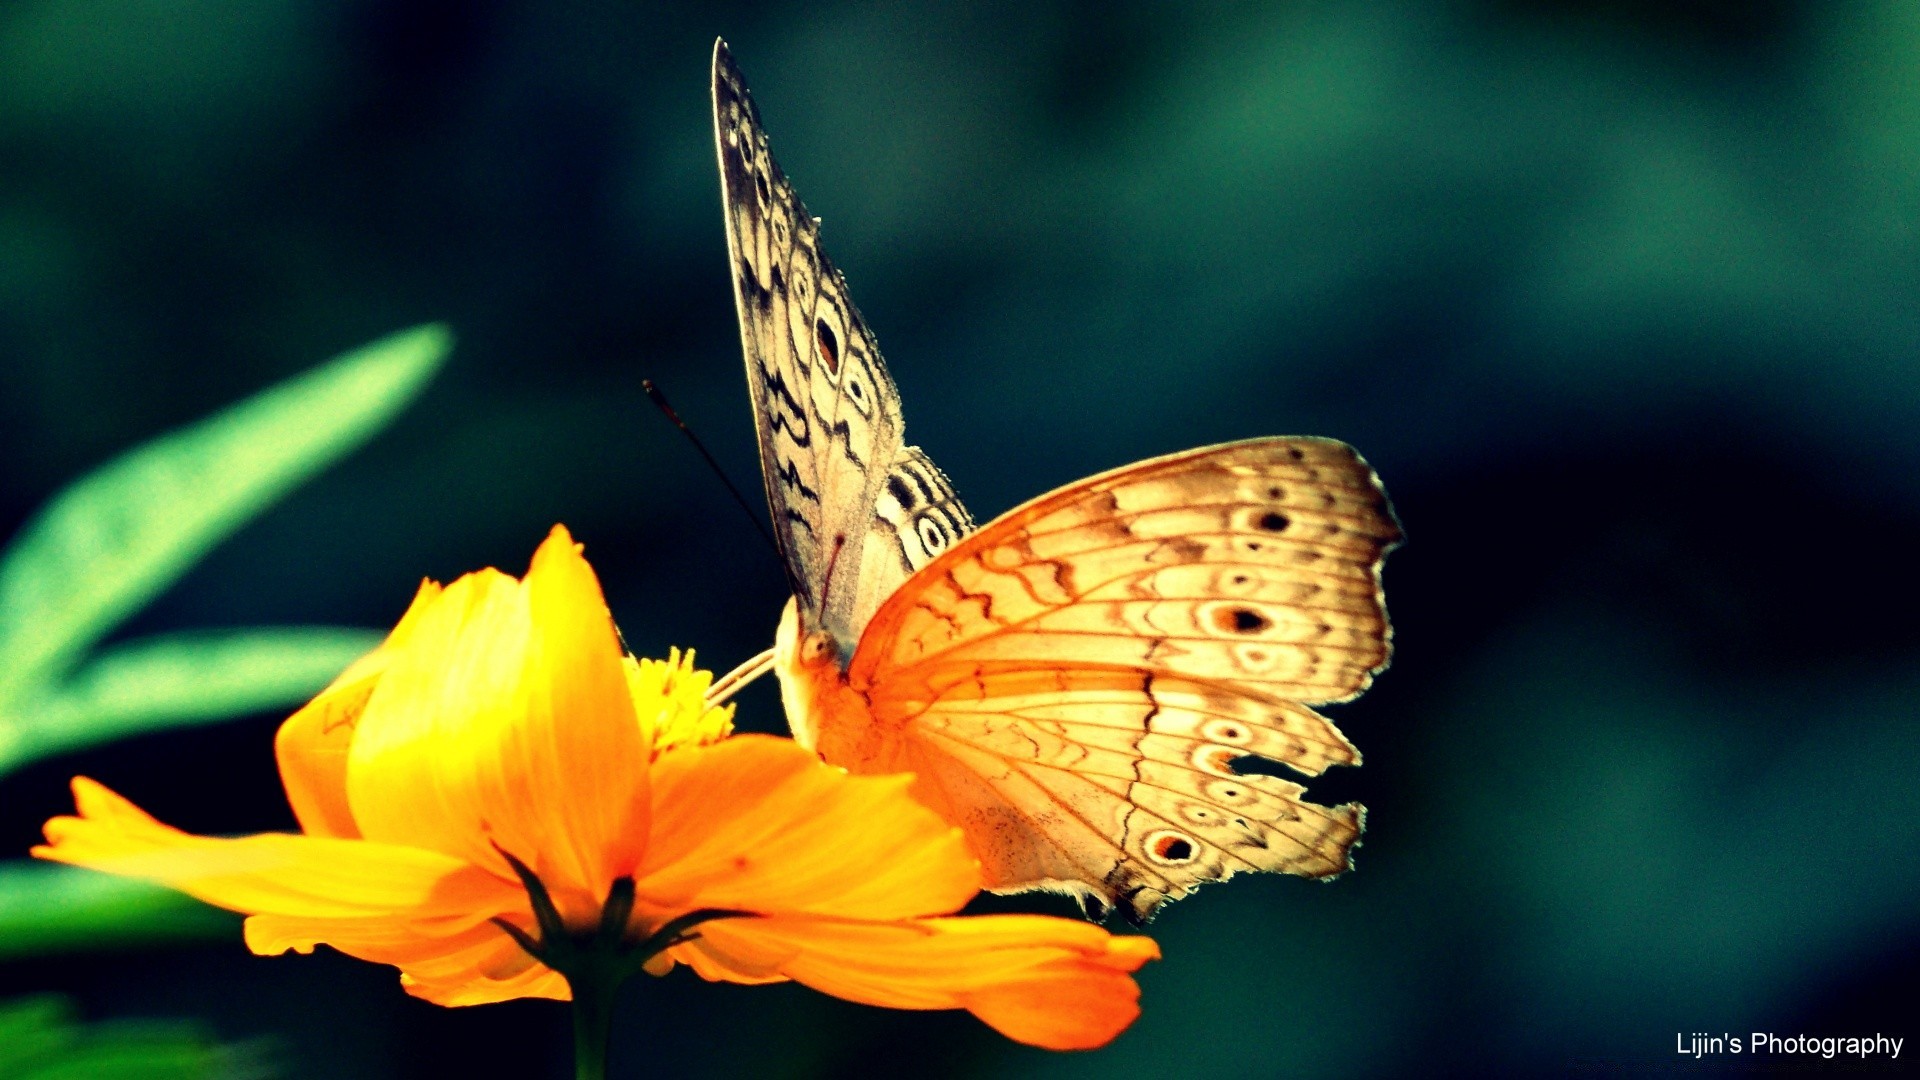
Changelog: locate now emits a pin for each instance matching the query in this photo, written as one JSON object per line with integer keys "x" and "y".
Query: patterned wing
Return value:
{"x": 917, "y": 517}
{"x": 827, "y": 412}
{"x": 1075, "y": 682}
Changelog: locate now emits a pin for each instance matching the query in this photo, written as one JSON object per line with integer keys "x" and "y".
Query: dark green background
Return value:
{"x": 1619, "y": 298}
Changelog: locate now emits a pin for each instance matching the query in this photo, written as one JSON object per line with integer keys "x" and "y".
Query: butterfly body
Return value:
{"x": 1077, "y": 683}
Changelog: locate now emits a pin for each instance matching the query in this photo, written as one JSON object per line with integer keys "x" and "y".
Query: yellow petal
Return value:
{"x": 396, "y": 941}
{"x": 422, "y": 741}
{"x": 1077, "y": 1003}
{"x": 534, "y": 981}
{"x": 312, "y": 745}
{"x": 1057, "y": 983}
{"x": 759, "y": 824}
{"x": 487, "y": 970}
{"x": 506, "y": 721}
{"x": 318, "y": 877}
{"x": 467, "y": 964}
{"x": 594, "y": 772}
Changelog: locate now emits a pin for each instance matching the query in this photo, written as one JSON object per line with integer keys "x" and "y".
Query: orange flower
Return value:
{"x": 496, "y": 780}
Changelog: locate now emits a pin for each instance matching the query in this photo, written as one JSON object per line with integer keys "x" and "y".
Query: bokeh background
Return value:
{"x": 1622, "y": 299}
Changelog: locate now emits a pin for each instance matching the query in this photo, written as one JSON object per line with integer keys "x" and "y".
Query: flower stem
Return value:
{"x": 592, "y": 1025}
{"x": 596, "y": 964}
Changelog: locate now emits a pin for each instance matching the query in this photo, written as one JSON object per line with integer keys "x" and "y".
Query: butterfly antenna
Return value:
{"x": 660, "y": 402}
{"x": 826, "y": 579}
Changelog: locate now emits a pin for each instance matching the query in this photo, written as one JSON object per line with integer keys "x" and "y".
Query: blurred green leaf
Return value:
{"x": 41, "y": 1039}
{"x": 113, "y": 540}
{"x": 47, "y": 908}
{"x": 179, "y": 679}
{"x": 30, "y": 1028}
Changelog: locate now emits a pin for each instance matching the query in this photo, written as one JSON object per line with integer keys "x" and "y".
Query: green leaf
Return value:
{"x": 33, "y": 1027}
{"x": 180, "y": 679}
{"x": 112, "y": 541}
{"x": 40, "y": 1039}
{"x": 48, "y": 908}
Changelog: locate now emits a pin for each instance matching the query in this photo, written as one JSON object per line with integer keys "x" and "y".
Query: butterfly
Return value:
{"x": 1079, "y": 683}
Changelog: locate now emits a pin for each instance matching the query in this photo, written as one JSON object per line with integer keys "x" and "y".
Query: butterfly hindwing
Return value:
{"x": 917, "y": 517}
{"x": 1137, "y": 807}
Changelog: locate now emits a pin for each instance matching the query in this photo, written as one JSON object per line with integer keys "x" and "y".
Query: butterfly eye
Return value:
{"x": 818, "y": 647}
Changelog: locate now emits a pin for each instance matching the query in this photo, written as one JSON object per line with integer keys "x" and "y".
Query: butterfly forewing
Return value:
{"x": 1254, "y": 564}
{"x": 1102, "y": 657}
{"x": 827, "y": 413}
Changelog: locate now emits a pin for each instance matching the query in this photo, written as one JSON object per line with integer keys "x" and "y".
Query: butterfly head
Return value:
{"x": 808, "y": 664}
{"x": 818, "y": 649}
{"x": 796, "y": 646}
